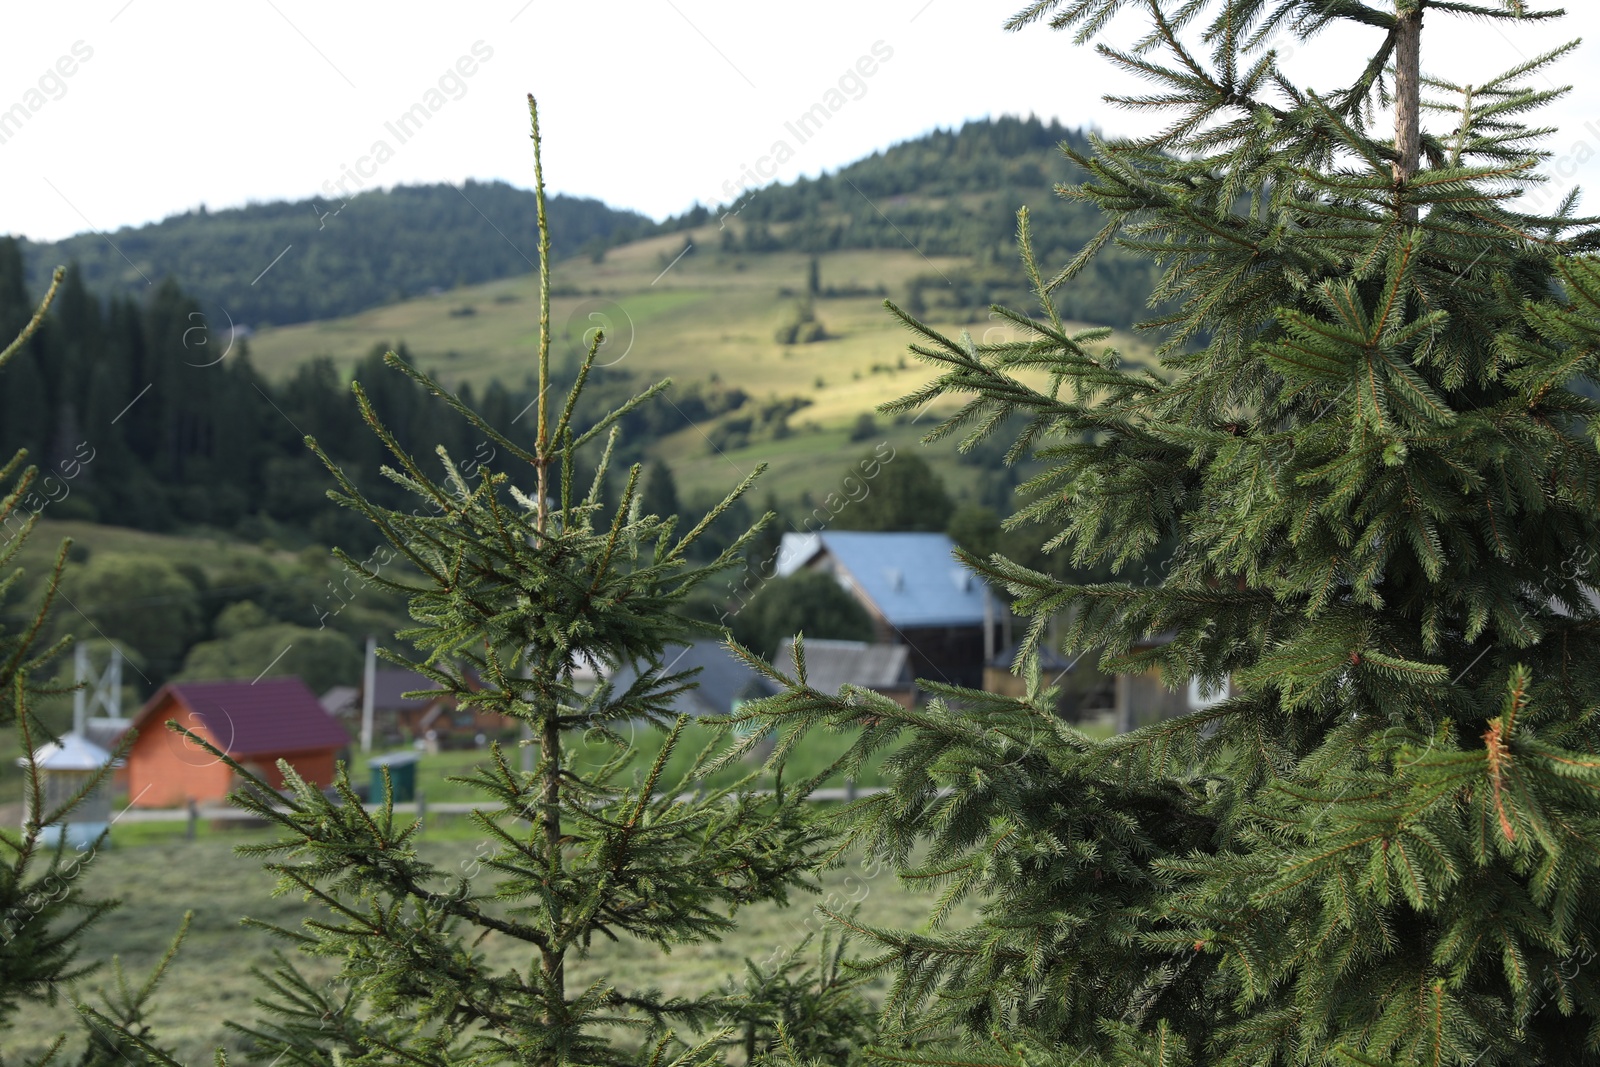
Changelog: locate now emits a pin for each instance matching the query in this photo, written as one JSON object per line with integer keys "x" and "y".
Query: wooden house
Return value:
{"x": 915, "y": 592}
{"x": 720, "y": 683}
{"x": 399, "y": 719}
{"x": 256, "y": 723}
{"x": 831, "y": 665}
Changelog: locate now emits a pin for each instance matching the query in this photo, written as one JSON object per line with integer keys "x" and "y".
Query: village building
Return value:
{"x": 256, "y": 723}
{"x": 915, "y": 592}
{"x": 832, "y": 665}
{"x": 400, "y": 719}
{"x": 723, "y": 683}
{"x": 1124, "y": 701}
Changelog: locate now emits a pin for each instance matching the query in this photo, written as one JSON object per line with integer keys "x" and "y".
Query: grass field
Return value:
{"x": 210, "y": 981}
{"x": 711, "y": 313}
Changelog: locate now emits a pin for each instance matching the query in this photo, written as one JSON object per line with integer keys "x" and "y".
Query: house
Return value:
{"x": 1086, "y": 692}
{"x": 723, "y": 683}
{"x": 397, "y": 719}
{"x": 1123, "y": 701}
{"x": 255, "y": 723}
{"x": 831, "y": 665}
{"x": 915, "y": 592}
{"x": 68, "y": 767}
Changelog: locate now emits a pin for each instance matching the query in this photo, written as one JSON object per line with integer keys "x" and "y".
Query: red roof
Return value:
{"x": 260, "y": 718}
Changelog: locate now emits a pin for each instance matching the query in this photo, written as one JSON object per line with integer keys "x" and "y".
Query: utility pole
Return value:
{"x": 369, "y": 683}
{"x": 80, "y": 696}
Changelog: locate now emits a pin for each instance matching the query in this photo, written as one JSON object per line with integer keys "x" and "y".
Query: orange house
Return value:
{"x": 256, "y": 723}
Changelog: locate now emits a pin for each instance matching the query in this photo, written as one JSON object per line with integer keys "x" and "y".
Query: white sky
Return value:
{"x": 647, "y": 104}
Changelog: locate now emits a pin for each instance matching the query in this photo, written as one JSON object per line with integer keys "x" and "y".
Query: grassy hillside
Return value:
{"x": 710, "y": 317}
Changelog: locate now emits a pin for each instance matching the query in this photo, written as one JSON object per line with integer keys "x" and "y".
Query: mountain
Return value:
{"x": 946, "y": 193}
{"x": 305, "y": 260}
{"x": 951, "y": 193}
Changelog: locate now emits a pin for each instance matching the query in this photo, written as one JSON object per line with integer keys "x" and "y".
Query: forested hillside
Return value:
{"x": 949, "y": 192}
{"x": 136, "y": 420}
{"x": 953, "y": 192}
{"x": 336, "y": 258}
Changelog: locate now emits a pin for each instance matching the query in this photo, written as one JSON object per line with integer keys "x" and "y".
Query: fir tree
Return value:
{"x": 660, "y": 493}
{"x": 520, "y": 577}
{"x": 1369, "y": 433}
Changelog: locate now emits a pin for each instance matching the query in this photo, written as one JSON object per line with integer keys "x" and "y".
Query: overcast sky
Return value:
{"x": 647, "y": 104}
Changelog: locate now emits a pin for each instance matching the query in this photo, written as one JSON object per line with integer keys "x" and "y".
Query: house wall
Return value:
{"x": 315, "y": 766}
{"x": 951, "y": 654}
{"x": 166, "y": 769}
{"x": 1150, "y": 701}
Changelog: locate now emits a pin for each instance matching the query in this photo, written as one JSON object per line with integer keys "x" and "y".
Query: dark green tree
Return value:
{"x": 864, "y": 428}
{"x": 808, "y": 602}
{"x": 907, "y": 494}
{"x": 144, "y": 601}
{"x": 1369, "y": 433}
{"x": 519, "y": 576}
{"x": 43, "y": 909}
{"x": 660, "y": 493}
{"x": 975, "y": 529}
{"x": 321, "y": 658}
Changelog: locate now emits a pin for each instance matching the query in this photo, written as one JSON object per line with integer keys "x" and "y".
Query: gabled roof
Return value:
{"x": 390, "y": 682}
{"x": 260, "y": 718}
{"x": 912, "y": 579}
{"x": 830, "y": 665}
{"x": 71, "y": 753}
{"x": 388, "y": 685}
{"x": 722, "y": 678}
{"x": 341, "y": 698}
{"x": 107, "y": 733}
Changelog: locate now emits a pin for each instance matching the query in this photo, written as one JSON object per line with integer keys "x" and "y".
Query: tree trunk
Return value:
{"x": 554, "y": 958}
{"x": 1408, "y": 97}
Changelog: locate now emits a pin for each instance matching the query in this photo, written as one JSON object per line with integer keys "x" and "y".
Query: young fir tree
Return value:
{"x": 1369, "y": 430}
{"x": 521, "y": 577}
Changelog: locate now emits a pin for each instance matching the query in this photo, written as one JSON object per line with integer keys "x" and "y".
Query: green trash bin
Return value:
{"x": 402, "y": 776}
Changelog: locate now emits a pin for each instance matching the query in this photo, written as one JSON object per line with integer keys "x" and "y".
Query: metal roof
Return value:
{"x": 72, "y": 752}
{"x": 722, "y": 678}
{"x": 260, "y": 718}
{"x": 912, "y": 579}
{"x": 830, "y": 665}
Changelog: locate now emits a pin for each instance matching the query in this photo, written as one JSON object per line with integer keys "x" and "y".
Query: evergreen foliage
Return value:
{"x": 523, "y": 577}
{"x": 1371, "y": 439}
{"x": 907, "y": 495}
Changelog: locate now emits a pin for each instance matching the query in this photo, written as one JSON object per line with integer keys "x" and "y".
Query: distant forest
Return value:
{"x": 135, "y": 420}
{"x": 378, "y": 248}
{"x": 950, "y": 192}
